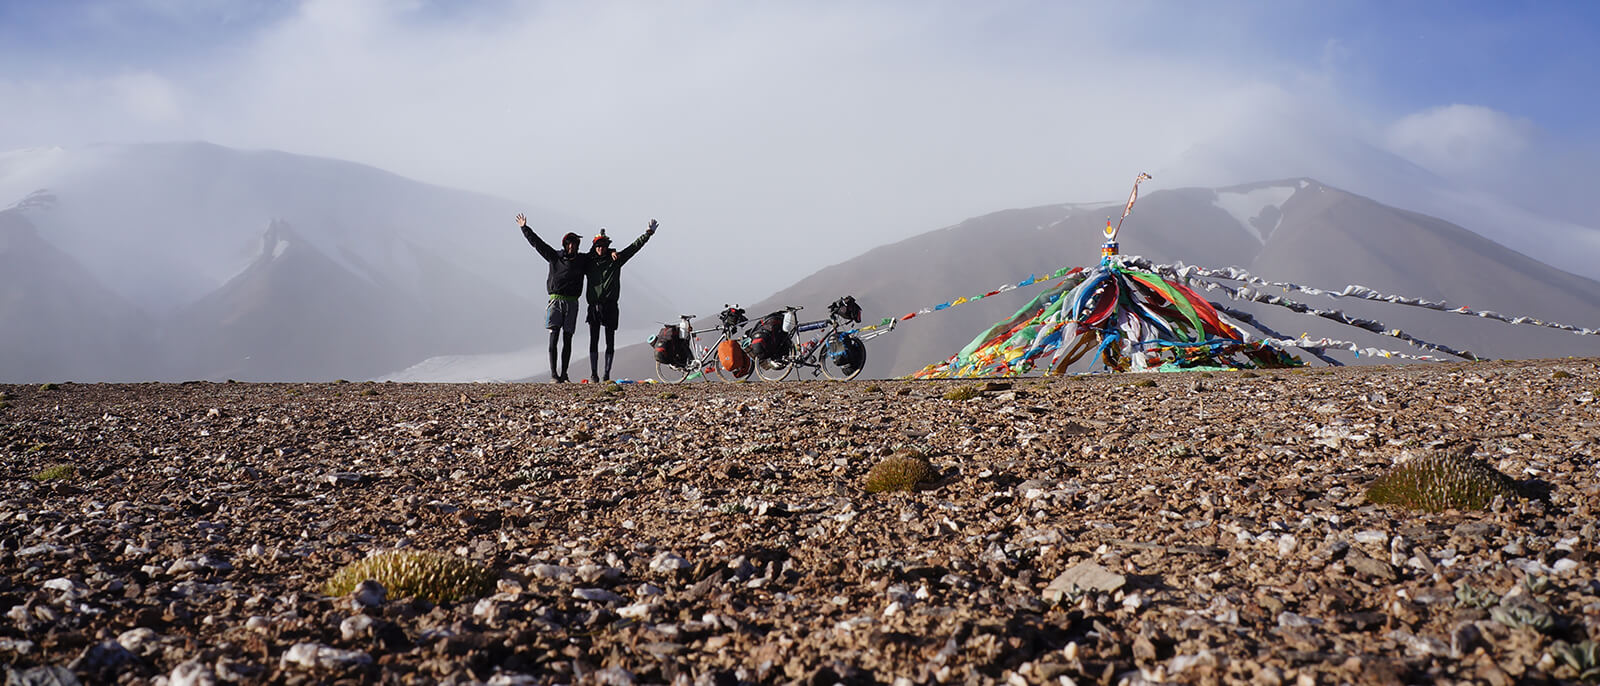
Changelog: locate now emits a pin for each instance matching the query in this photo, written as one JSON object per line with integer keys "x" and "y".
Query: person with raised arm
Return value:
{"x": 604, "y": 292}
{"x": 564, "y": 284}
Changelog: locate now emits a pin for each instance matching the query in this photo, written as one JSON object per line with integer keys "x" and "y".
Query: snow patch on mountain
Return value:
{"x": 1259, "y": 210}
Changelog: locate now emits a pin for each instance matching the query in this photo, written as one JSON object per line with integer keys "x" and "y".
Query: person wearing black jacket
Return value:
{"x": 603, "y": 293}
{"x": 565, "y": 284}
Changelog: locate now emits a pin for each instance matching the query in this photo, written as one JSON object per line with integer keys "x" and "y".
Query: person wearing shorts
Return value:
{"x": 603, "y": 293}
{"x": 564, "y": 284}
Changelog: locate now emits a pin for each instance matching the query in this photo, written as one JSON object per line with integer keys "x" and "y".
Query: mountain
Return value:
{"x": 60, "y": 321}
{"x": 1295, "y": 230}
{"x": 263, "y": 265}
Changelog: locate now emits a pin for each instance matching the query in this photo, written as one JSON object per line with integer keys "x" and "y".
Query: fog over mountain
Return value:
{"x": 1295, "y": 230}
{"x": 190, "y": 261}
{"x": 182, "y": 261}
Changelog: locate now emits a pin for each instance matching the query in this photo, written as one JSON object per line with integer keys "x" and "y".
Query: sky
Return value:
{"x": 774, "y": 138}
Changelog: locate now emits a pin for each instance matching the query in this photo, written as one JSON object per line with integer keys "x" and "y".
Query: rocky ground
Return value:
{"x": 1196, "y": 528}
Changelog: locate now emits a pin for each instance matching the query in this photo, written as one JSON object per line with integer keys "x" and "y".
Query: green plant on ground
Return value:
{"x": 1248, "y": 375}
{"x": 48, "y": 386}
{"x": 668, "y": 395}
{"x": 1480, "y": 598}
{"x": 1561, "y": 374}
{"x": 429, "y": 576}
{"x": 54, "y": 472}
{"x": 1440, "y": 482}
{"x": 962, "y": 393}
{"x": 906, "y": 470}
{"x": 1144, "y": 383}
{"x": 871, "y": 388}
{"x": 1583, "y": 658}
{"x": 369, "y": 391}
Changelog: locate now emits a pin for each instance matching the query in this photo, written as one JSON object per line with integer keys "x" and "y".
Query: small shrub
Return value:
{"x": 871, "y": 388}
{"x": 1248, "y": 375}
{"x": 54, "y": 472}
{"x": 1561, "y": 374}
{"x": 669, "y": 395}
{"x": 433, "y": 577}
{"x": 961, "y": 393}
{"x": 1441, "y": 482}
{"x": 906, "y": 470}
{"x": 369, "y": 391}
{"x": 1144, "y": 383}
{"x": 48, "y": 386}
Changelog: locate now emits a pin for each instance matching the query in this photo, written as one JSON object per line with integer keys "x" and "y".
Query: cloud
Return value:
{"x": 1460, "y": 140}
{"x": 771, "y": 139}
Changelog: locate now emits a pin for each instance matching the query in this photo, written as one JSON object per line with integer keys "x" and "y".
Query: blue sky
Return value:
{"x": 888, "y": 118}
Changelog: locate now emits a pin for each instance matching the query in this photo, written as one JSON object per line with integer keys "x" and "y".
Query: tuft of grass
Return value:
{"x": 906, "y": 470}
{"x": 369, "y": 391}
{"x": 962, "y": 393}
{"x": 668, "y": 395}
{"x": 1440, "y": 482}
{"x": 1248, "y": 375}
{"x": 48, "y": 386}
{"x": 1144, "y": 383}
{"x": 871, "y": 388}
{"x": 56, "y": 472}
{"x": 1561, "y": 374}
{"x": 433, "y": 577}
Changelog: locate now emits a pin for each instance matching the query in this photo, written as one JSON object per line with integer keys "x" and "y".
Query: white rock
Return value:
{"x": 1371, "y": 536}
{"x": 598, "y": 595}
{"x": 62, "y": 583}
{"x": 140, "y": 641}
{"x": 368, "y": 593}
{"x": 637, "y": 610}
{"x": 355, "y": 626}
{"x": 318, "y": 656}
{"x": 258, "y": 623}
{"x": 554, "y": 572}
{"x": 1084, "y": 576}
{"x": 192, "y": 673}
{"x": 668, "y": 563}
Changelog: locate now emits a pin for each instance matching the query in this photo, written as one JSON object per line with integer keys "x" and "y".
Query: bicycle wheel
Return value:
{"x": 828, "y": 357}
{"x": 774, "y": 370}
{"x": 671, "y": 373}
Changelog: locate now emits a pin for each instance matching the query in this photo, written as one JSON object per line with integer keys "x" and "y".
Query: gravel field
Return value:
{"x": 1191, "y": 528}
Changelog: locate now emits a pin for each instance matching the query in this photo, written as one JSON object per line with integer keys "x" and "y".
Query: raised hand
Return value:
{"x": 652, "y": 228}
{"x": 522, "y": 221}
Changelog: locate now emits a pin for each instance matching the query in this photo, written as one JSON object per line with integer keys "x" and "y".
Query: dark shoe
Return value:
{"x": 608, "y": 378}
{"x": 561, "y": 379}
{"x": 595, "y": 379}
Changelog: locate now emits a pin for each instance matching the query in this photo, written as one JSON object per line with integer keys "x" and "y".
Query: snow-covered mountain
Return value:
{"x": 266, "y": 265}
{"x": 1295, "y": 230}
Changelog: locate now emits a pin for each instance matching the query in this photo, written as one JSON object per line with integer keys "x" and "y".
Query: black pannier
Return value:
{"x": 768, "y": 341}
{"x": 671, "y": 347}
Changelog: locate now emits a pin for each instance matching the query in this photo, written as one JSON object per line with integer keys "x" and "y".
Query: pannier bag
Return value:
{"x": 850, "y": 356}
{"x": 732, "y": 358}
{"x": 846, "y": 308}
{"x": 671, "y": 346}
{"x": 768, "y": 341}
